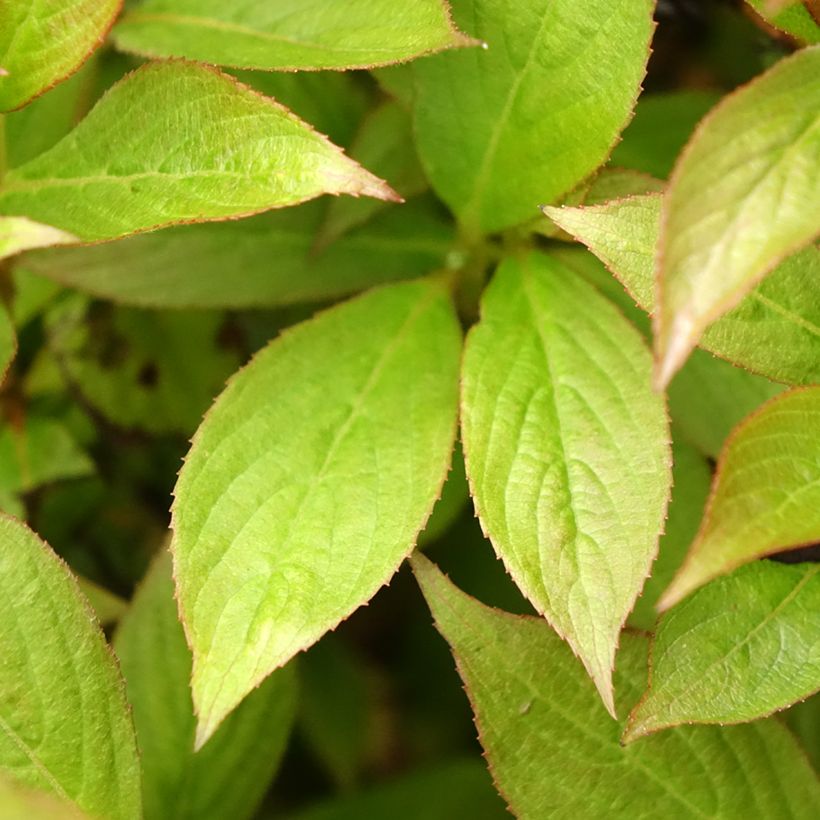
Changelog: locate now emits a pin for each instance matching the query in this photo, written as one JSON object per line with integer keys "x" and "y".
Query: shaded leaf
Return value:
{"x": 263, "y": 261}
{"x": 64, "y": 722}
{"x": 740, "y": 648}
{"x": 179, "y": 142}
{"x": 744, "y": 195}
{"x": 766, "y": 494}
{"x": 804, "y": 720}
{"x": 107, "y": 606}
{"x": 289, "y": 35}
{"x": 774, "y": 330}
{"x": 8, "y": 342}
{"x": 43, "y": 41}
{"x": 503, "y": 129}
{"x": 569, "y": 467}
{"x": 554, "y": 752}
{"x": 229, "y": 776}
{"x": 308, "y": 483}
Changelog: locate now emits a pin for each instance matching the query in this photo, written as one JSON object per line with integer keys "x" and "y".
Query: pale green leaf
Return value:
{"x": 503, "y": 129}
{"x": 739, "y": 649}
{"x": 43, "y": 41}
{"x": 179, "y": 142}
{"x": 309, "y": 481}
{"x": 454, "y": 497}
{"x": 264, "y": 261}
{"x": 691, "y": 478}
{"x": 288, "y": 35}
{"x": 662, "y": 124}
{"x": 107, "y": 606}
{"x": 64, "y": 723}
{"x": 19, "y": 234}
{"x": 227, "y": 778}
{"x": 453, "y": 789}
{"x": 554, "y": 752}
{"x": 157, "y": 371}
{"x": 795, "y": 20}
{"x": 766, "y": 494}
{"x": 743, "y": 196}
{"x": 20, "y": 803}
{"x": 567, "y": 451}
{"x": 774, "y": 331}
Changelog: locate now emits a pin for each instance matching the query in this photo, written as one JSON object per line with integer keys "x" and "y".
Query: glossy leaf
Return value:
{"x": 691, "y": 478}
{"x": 308, "y": 483}
{"x": 263, "y": 261}
{"x": 569, "y": 466}
{"x": 503, "y": 129}
{"x": 744, "y": 195}
{"x": 19, "y": 234}
{"x": 775, "y": 330}
{"x": 766, "y": 494}
{"x": 43, "y": 41}
{"x": 229, "y": 776}
{"x": 738, "y": 649}
{"x": 288, "y": 35}
{"x": 179, "y": 142}
{"x": 554, "y": 752}
{"x": 64, "y": 723}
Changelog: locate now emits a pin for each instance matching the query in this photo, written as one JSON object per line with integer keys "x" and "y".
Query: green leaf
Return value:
{"x": 308, "y": 483}
{"x": 453, "y": 789}
{"x": 179, "y": 142}
{"x": 804, "y": 720}
{"x": 738, "y": 649}
{"x": 766, "y": 494}
{"x": 795, "y": 20}
{"x": 774, "y": 330}
{"x": 107, "y": 606}
{"x": 19, "y": 234}
{"x": 744, "y": 195}
{"x": 149, "y": 370}
{"x": 64, "y": 722}
{"x": 230, "y": 264}
{"x": 691, "y": 478}
{"x": 567, "y": 451}
{"x": 503, "y": 129}
{"x": 289, "y": 35}
{"x": 661, "y": 126}
{"x": 708, "y": 397}
{"x": 19, "y": 803}
{"x": 8, "y": 342}
{"x": 554, "y": 752}
{"x": 230, "y": 775}
{"x": 385, "y": 144}
{"x": 43, "y": 41}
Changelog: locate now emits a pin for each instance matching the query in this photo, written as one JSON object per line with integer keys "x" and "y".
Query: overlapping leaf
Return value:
{"x": 178, "y": 142}
{"x": 744, "y": 195}
{"x": 794, "y": 19}
{"x": 43, "y": 41}
{"x": 229, "y": 776}
{"x": 738, "y": 649}
{"x": 19, "y": 234}
{"x": 775, "y": 330}
{"x": 503, "y": 129}
{"x": 309, "y": 481}
{"x": 567, "y": 451}
{"x": 64, "y": 724}
{"x": 554, "y": 752}
{"x": 289, "y": 34}
{"x": 766, "y": 494}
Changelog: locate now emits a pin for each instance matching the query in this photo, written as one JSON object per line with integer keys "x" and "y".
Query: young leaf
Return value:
{"x": 43, "y": 41}
{"x": 231, "y": 264}
{"x": 743, "y": 196}
{"x": 740, "y": 648}
{"x": 229, "y": 776}
{"x": 691, "y": 478}
{"x": 289, "y": 35}
{"x": 774, "y": 331}
{"x": 766, "y": 494}
{"x": 554, "y": 752}
{"x": 502, "y": 129}
{"x": 569, "y": 466}
{"x": 64, "y": 723}
{"x": 20, "y": 234}
{"x": 308, "y": 482}
{"x": 179, "y": 142}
